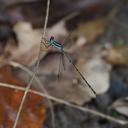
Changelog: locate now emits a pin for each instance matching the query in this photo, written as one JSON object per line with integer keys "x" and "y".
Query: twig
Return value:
{"x": 35, "y": 69}
{"x": 118, "y": 121}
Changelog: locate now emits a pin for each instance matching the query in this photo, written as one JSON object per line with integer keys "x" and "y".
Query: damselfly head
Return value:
{"x": 52, "y": 38}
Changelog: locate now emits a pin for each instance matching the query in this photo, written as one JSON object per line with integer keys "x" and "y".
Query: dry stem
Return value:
{"x": 115, "y": 120}
{"x": 35, "y": 69}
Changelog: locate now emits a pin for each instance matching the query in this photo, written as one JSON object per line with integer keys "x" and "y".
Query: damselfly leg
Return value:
{"x": 62, "y": 60}
{"x": 44, "y": 44}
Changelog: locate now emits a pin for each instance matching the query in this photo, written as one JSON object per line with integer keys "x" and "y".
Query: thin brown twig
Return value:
{"x": 115, "y": 120}
{"x": 35, "y": 69}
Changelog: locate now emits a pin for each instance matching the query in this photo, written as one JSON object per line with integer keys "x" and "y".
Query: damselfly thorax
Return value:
{"x": 56, "y": 44}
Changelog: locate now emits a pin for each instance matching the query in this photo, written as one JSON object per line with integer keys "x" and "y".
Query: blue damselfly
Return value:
{"x": 52, "y": 42}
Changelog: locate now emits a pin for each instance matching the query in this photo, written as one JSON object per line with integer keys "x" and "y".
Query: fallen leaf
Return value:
{"x": 91, "y": 30}
{"x": 118, "y": 56}
{"x": 33, "y": 113}
{"x": 121, "y": 106}
{"x": 29, "y": 42}
{"x": 97, "y": 73}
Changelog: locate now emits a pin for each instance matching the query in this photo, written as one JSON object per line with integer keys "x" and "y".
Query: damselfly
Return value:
{"x": 60, "y": 47}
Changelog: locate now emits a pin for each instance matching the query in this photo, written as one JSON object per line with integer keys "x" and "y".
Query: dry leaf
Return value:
{"x": 29, "y": 41}
{"x": 97, "y": 73}
{"x": 33, "y": 114}
{"x": 118, "y": 56}
{"x": 121, "y": 106}
{"x": 92, "y": 29}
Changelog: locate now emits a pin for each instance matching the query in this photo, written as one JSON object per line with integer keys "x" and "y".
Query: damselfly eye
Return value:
{"x": 52, "y": 38}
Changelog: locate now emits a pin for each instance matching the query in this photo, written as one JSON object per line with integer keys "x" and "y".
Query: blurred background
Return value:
{"x": 95, "y": 34}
